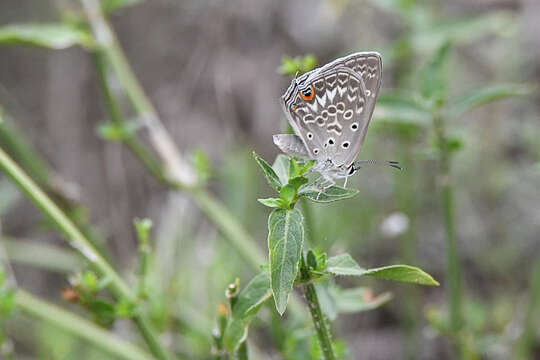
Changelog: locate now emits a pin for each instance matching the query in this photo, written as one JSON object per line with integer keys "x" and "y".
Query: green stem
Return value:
{"x": 42, "y": 256}
{"x": 116, "y": 117}
{"x": 526, "y": 343}
{"x": 454, "y": 273}
{"x": 319, "y": 321}
{"x": 242, "y": 353}
{"x": 74, "y": 324}
{"x": 117, "y": 286}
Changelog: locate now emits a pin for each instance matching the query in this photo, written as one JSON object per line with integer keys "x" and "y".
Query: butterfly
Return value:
{"x": 329, "y": 110}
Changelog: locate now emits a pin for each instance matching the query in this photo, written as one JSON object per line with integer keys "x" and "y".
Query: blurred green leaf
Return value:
{"x": 403, "y": 108}
{"x": 285, "y": 241}
{"x": 201, "y": 164}
{"x": 433, "y": 82}
{"x": 268, "y": 172}
{"x": 307, "y": 166}
{"x": 281, "y": 167}
{"x": 454, "y": 143}
{"x": 331, "y": 194}
{"x": 89, "y": 282}
{"x": 298, "y": 65}
{"x": 124, "y": 309}
{"x": 344, "y": 264}
{"x": 51, "y": 35}
{"x": 142, "y": 228}
{"x": 359, "y": 299}
{"x": 117, "y": 132}
{"x": 486, "y": 95}
{"x": 273, "y": 203}
{"x": 246, "y": 306}
{"x": 112, "y": 5}
{"x": 464, "y": 30}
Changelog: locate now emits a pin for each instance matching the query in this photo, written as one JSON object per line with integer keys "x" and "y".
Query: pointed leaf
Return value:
{"x": 486, "y": 95}
{"x": 344, "y": 264}
{"x": 247, "y": 304}
{"x": 331, "y": 194}
{"x": 285, "y": 241}
{"x": 432, "y": 77}
{"x": 52, "y": 35}
{"x": 269, "y": 173}
{"x": 273, "y": 203}
{"x": 281, "y": 167}
{"x": 404, "y": 273}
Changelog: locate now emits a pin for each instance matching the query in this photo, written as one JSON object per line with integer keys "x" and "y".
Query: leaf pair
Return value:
{"x": 287, "y": 177}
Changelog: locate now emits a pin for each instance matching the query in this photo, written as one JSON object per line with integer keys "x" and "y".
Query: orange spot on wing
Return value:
{"x": 310, "y": 96}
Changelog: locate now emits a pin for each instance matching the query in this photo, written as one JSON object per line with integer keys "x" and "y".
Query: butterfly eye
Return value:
{"x": 307, "y": 94}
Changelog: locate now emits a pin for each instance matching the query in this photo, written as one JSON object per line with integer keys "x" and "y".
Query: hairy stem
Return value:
{"x": 319, "y": 321}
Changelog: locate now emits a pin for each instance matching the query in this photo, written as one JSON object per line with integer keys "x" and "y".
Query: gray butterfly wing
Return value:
{"x": 291, "y": 144}
{"x": 331, "y": 117}
{"x": 369, "y": 66}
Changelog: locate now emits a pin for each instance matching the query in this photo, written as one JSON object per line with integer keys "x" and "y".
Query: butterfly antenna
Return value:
{"x": 391, "y": 163}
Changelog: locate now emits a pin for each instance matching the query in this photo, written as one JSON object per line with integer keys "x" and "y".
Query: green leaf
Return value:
{"x": 246, "y": 306}
{"x": 297, "y": 182}
{"x": 285, "y": 241}
{"x": 311, "y": 260}
{"x": 358, "y": 300}
{"x": 112, "y": 5}
{"x": 269, "y": 173}
{"x": 142, "y": 228}
{"x": 307, "y": 166}
{"x": 404, "y": 273}
{"x": 288, "y": 194}
{"x": 117, "y": 132}
{"x": 52, "y": 35}
{"x": 331, "y": 194}
{"x": 281, "y": 167}
{"x": 433, "y": 82}
{"x": 344, "y": 264}
{"x": 273, "y": 203}
{"x": 464, "y": 30}
{"x": 299, "y": 64}
{"x": 486, "y": 95}
{"x": 403, "y": 108}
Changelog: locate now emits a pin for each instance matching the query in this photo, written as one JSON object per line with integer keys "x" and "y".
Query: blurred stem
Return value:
{"x": 76, "y": 325}
{"x": 454, "y": 273}
{"x": 29, "y": 160}
{"x": 319, "y": 322}
{"x": 526, "y": 343}
{"x": 117, "y": 286}
{"x": 406, "y": 191}
{"x": 42, "y": 256}
{"x": 242, "y": 353}
{"x": 117, "y": 118}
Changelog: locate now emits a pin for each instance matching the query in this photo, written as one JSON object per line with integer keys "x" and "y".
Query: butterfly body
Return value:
{"x": 329, "y": 109}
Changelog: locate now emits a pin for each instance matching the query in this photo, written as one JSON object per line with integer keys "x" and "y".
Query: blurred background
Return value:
{"x": 211, "y": 69}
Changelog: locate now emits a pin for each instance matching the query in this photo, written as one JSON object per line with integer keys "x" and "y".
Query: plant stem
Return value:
{"x": 319, "y": 321}
{"x": 242, "y": 353}
{"x": 454, "y": 273}
{"x": 117, "y": 286}
{"x": 74, "y": 324}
